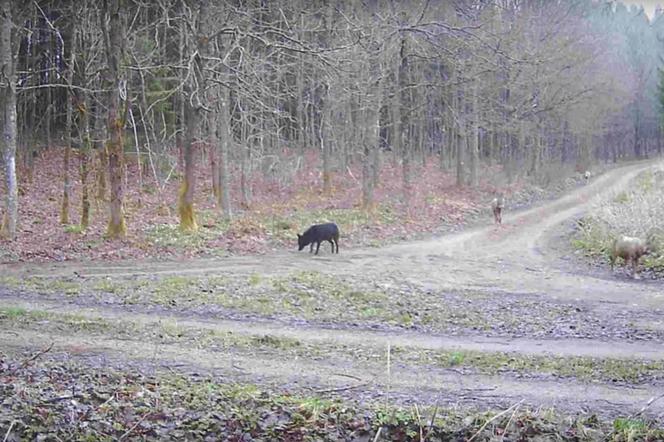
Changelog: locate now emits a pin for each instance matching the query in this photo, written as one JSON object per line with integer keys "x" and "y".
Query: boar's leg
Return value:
{"x": 635, "y": 263}
{"x": 337, "y": 243}
{"x": 317, "y": 247}
{"x": 311, "y": 247}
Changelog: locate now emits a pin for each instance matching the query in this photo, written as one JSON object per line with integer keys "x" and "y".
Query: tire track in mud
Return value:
{"x": 594, "y": 348}
{"x": 404, "y": 384}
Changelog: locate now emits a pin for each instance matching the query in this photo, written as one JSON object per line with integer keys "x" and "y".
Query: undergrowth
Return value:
{"x": 51, "y": 400}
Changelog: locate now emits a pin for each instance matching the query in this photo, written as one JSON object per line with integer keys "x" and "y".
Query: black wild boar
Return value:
{"x": 629, "y": 249}
{"x": 317, "y": 234}
{"x": 497, "y": 206}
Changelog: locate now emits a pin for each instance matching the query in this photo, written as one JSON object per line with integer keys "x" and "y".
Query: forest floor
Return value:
{"x": 487, "y": 318}
{"x": 285, "y": 200}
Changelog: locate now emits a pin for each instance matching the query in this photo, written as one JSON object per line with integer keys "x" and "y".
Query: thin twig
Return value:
{"x": 36, "y": 355}
{"x": 377, "y": 434}
{"x": 502, "y": 438}
{"x": 433, "y": 418}
{"x": 128, "y": 432}
{"x": 348, "y": 376}
{"x": 334, "y": 390}
{"x": 493, "y": 419}
{"x": 9, "y": 430}
{"x": 419, "y": 422}
{"x": 108, "y": 400}
{"x": 646, "y": 406}
{"x": 62, "y": 398}
{"x": 389, "y": 380}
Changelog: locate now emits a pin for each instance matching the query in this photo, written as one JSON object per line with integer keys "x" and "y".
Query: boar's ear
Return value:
{"x": 299, "y": 236}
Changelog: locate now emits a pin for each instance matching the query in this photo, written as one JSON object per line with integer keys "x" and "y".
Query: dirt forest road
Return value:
{"x": 521, "y": 256}
{"x": 525, "y": 259}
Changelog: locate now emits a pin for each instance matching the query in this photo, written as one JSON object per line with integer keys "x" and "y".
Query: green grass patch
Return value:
{"x": 74, "y": 228}
{"x": 211, "y": 226}
{"x": 583, "y": 368}
{"x": 12, "y": 313}
{"x": 61, "y": 286}
{"x": 11, "y": 282}
{"x": 107, "y": 285}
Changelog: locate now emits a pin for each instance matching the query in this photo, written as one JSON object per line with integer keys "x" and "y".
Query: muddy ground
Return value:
{"x": 481, "y": 319}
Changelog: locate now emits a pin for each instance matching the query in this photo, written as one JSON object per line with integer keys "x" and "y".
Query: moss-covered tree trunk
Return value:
{"x": 114, "y": 48}
{"x": 194, "y": 108}
{"x": 9, "y": 130}
{"x": 188, "y": 185}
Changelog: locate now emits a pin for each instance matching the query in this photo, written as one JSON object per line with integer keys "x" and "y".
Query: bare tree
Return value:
{"x": 64, "y": 212}
{"x": 8, "y": 87}
{"x": 113, "y": 27}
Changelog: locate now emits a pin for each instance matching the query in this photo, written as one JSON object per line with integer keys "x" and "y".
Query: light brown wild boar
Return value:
{"x": 629, "y": 249}
{"x": 497, "y": 206}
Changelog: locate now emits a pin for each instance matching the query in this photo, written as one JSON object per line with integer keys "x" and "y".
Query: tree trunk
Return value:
{"x": 637, "y": 132}
{"x": 180, "y": 128}
{"x": 8, "y": 83}
{"x": 86, "y": 147}
{"x": 114, "y": 40}
{"x": 186, "y": 195}
{"x": 367, "y": 176}
{"x": 225, "y": 138}
{"x": 400, "y": 123}
{"x": 370, "y": 162}
{"x": 460, "y": 154}
{"x": 193, "y": 121}
{"x": 245, "y": 150}
{"x": 102, "y": 158}
{"x": 214, "y": 164}
{"x": 300, "y": 109}
{"x": 325, "y": 135}
{"x": 245, "y": 191}
{"x": 473, "y": 142}
{"x": 459, "y": 142}
{"x": 49, "y": 114}
{"x": 64, "y": 213}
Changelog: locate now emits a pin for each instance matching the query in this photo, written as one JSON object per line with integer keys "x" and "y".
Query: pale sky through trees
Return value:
{"x": 648, "y": 5}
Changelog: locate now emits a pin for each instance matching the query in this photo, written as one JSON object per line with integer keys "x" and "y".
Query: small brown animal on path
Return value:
{"x": 629, "y": 249}
{"x": 497, "y": 206}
